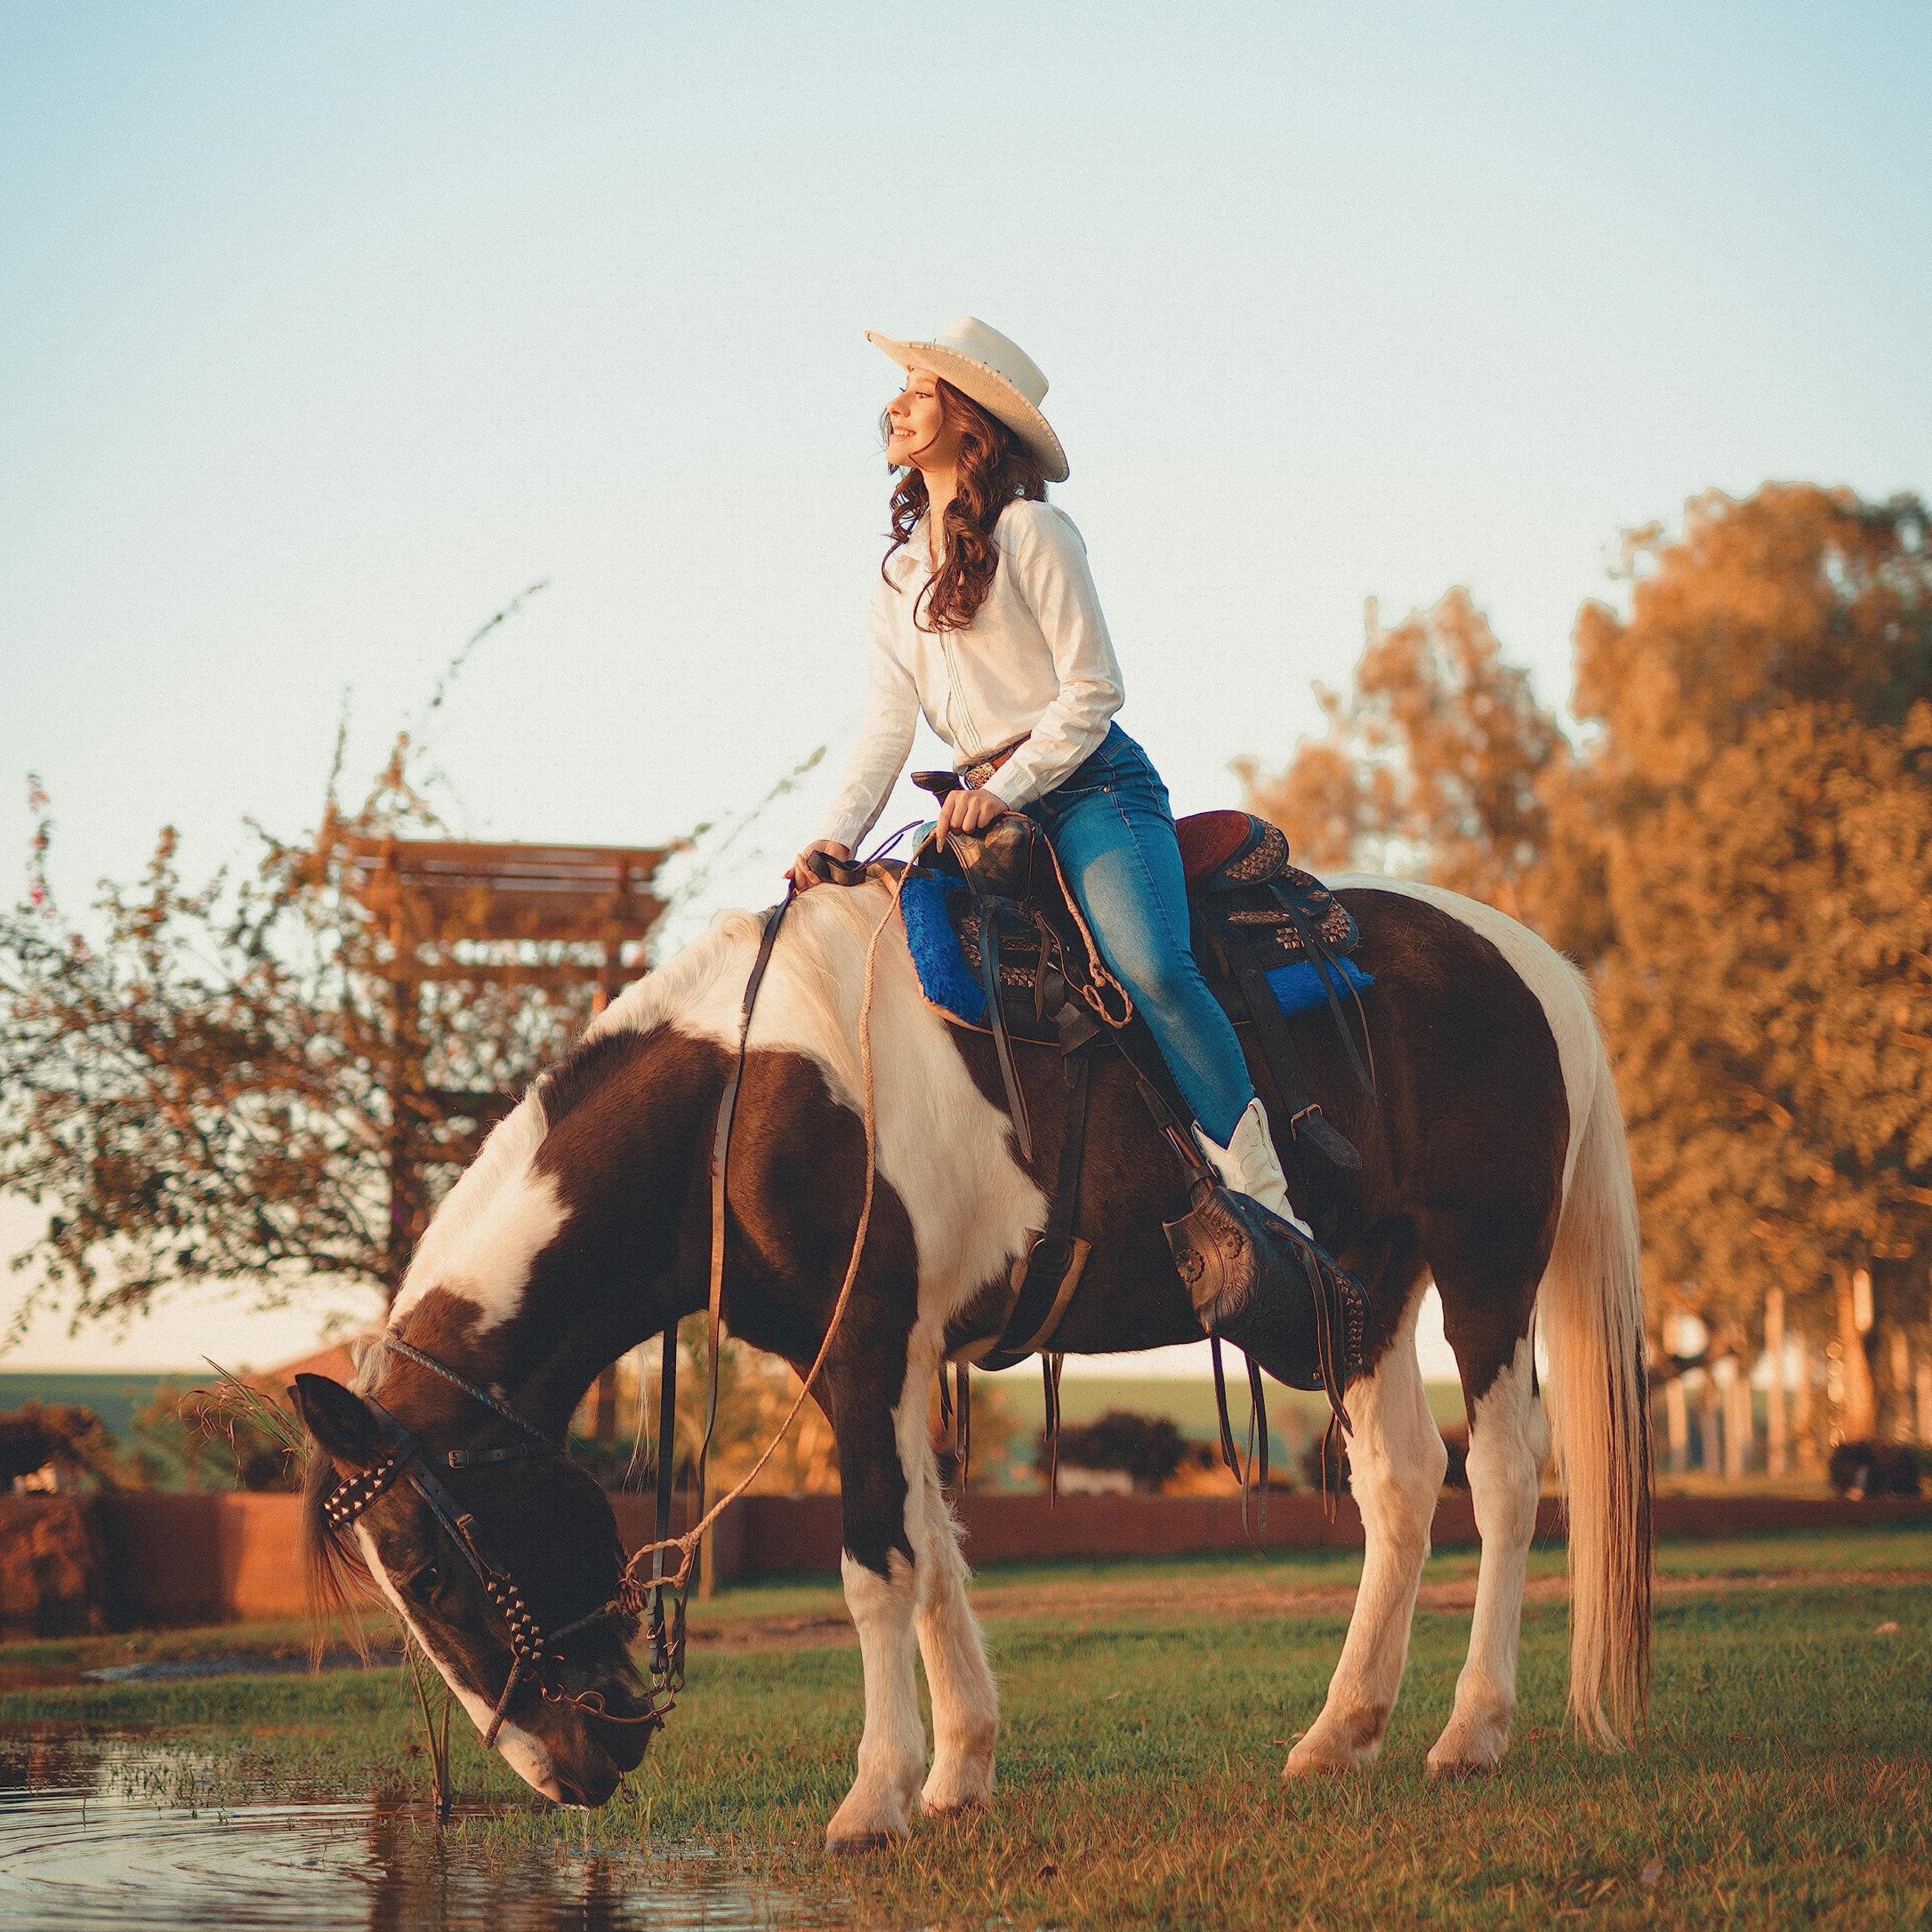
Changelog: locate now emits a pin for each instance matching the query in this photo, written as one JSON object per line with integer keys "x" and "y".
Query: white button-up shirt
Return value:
{"x": 1036, "y": 663}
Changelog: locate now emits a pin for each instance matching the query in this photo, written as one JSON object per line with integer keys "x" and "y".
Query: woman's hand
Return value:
{"x": 802, "y": 877}
{"x": 967, "y": 811}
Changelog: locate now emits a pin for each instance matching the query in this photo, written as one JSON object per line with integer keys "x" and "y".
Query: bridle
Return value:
{"x": 535, "y": 1653}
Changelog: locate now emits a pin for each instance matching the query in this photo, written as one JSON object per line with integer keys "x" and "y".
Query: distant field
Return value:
{"x": 1189, "y": 1403}
{"x": 1294, "y": 1414}
{"x": 115, "y": 1397}
{"x": 1010, "y": 1404}
{"x": 1296, "y": 1417}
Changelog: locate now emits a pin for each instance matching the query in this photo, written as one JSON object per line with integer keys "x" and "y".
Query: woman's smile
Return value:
{"x": 916, "y": 418}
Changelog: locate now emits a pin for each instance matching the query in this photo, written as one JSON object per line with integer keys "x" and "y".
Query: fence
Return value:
{"x": 150, "y": 1557}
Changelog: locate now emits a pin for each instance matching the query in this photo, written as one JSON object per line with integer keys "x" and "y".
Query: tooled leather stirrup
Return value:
{"x": 1259, "y": 1283}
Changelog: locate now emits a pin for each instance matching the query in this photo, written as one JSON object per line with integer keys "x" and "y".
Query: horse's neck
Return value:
{"x": 630, "y": 1161}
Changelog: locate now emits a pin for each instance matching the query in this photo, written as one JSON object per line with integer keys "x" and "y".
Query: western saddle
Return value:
{"x": 1046, "y": 984}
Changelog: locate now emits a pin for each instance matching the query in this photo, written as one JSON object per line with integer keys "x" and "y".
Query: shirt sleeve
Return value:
{"x": 1049, "y": 562}
{"x": 885, "y": 735}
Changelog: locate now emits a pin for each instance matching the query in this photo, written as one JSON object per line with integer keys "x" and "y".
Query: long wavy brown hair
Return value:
{"x": 995, "y": 468}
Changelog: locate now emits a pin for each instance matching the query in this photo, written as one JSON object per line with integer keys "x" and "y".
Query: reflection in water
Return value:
{"x": 106, "y": 1837}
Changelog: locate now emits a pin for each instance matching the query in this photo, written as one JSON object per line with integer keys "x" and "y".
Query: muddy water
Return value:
{"x": 110, "y": 1836}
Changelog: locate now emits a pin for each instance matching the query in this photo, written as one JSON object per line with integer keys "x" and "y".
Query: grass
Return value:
{"x": 1146, "y": 1709}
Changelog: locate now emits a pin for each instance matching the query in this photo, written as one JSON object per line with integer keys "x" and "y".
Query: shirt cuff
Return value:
{"x": 1009, "y": 785}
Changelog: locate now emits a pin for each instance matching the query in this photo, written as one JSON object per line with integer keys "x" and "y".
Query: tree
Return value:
{"x": 1740, "y": 850}
{"x": 232, "y": 1082}
{"x": 1430, "y": 765}
{"x": 1758, "y": 795}
{"x": 1796, "y": 595}
{"x": 1770, "y": 996}
{"x": 208, "y": 1093}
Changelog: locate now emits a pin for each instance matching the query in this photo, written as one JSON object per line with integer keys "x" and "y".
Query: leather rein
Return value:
{"x": 535, "y": 1653}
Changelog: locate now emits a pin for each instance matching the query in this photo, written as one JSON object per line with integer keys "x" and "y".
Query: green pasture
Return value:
{"x": 1147, "y": 1709}
{"x": 1010, "y": 1409}
{"x": 1296, "y": 1414}
{"x": 114, "y": 1395}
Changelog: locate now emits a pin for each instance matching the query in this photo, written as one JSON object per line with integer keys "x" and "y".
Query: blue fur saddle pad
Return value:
{"x": 952, "y": 985}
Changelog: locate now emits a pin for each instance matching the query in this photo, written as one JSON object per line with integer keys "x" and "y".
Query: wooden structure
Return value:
{"x": 435, "y": 893}
{"x": 455, "y": 912}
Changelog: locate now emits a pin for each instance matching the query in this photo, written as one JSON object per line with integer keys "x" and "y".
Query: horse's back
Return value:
{"x": 1416, "y": 936}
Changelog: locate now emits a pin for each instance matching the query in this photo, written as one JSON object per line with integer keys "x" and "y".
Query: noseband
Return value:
{"x": 534, "y": 1652}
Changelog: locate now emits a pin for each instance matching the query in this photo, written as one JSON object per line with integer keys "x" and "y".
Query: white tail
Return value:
{"x": 1591, "y": 1301}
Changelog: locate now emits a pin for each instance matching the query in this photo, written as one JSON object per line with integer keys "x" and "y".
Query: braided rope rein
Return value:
{"x": 630, "y": 1590}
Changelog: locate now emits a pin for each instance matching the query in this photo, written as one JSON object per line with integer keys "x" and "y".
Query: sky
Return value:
{"x": 326, "y": 330}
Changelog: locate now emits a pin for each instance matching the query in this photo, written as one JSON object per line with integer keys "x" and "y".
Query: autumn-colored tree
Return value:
{"x": 1740, "y": 852}
{"x": 1430, "y": 765}
{"x": 1758, "y": 794}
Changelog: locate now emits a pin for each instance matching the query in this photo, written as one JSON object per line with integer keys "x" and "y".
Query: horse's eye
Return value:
{"x": 425, "y": 1581}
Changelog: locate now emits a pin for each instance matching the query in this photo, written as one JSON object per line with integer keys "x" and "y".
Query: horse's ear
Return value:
{"x": 337, "y": 1419}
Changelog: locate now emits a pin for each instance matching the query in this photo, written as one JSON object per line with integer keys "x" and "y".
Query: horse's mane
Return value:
{"x": 666, "y": 990}
{"x": 816, "y": 979}
{"x": 513, "y": 1142}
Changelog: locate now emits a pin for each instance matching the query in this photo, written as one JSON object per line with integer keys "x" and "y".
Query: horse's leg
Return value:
{"x": 1508, "y": 1450}
{"x": 965, "y": 1702}
{"x": 881, "y": 1438}
{"x": 1396, "y": 1460}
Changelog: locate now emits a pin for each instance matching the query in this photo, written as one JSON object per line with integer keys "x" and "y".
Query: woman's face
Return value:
{"x": 919, "y": 435}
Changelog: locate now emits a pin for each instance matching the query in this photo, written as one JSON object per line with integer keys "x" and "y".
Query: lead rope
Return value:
{"x": 687, "y": 1544}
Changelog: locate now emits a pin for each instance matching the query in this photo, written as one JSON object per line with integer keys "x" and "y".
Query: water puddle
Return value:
{"x": 244, "y": 1663}
{"x": 105, "y": 1835}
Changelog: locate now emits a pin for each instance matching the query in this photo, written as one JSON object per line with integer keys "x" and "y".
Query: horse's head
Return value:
{"x": 479, "y": 1557}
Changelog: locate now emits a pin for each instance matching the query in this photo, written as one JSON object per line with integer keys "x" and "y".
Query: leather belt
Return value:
{"x": 975, "y": 775}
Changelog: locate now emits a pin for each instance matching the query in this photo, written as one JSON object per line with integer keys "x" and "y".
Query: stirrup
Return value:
{"x": 1258, "y": 1282}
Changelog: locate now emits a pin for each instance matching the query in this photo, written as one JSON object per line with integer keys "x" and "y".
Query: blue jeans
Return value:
{"x": 1111, "y": 824}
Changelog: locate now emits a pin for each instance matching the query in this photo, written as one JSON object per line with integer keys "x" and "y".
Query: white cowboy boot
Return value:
{"x": 1249, "y": 1165}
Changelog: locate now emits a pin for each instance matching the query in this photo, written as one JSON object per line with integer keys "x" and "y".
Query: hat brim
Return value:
{"x": 990, "y": 389}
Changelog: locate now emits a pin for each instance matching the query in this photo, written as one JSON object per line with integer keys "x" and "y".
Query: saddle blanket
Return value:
{"x": 952, "y": 985}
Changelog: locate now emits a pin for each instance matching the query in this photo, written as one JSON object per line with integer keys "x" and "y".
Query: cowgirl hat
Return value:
{"x": 996, "y": 373}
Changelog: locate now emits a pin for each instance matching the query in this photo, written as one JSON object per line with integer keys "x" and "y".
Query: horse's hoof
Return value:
{"x": 956, "y": 1808}
{"x": 1472, "y": 1745}
{"x": 1328, "y": 1758}
{"x": 866, "y": 1841}
{"x": 1334, "y": 1744}
{"x": 955, "y": 1788}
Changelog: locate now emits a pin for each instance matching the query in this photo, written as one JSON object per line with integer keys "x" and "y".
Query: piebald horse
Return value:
{"x": 1493, "y": 1161}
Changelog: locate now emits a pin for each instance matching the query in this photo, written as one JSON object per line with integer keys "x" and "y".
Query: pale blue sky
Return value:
{"x": 325, "y": 329}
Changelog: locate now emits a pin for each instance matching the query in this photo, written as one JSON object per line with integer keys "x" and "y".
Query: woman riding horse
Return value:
{"x": 985, "y": 620}
{"x": 872, "y": 1158}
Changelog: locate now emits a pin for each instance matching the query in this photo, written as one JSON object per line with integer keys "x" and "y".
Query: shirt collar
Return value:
{"x": 910, "y": 562}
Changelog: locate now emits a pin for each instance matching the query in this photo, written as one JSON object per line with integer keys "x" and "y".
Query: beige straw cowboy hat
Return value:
{"x": 996, "y": 373}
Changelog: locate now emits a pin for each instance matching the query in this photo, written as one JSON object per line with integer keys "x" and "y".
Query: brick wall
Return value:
{"x": 184, "y": 1559}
